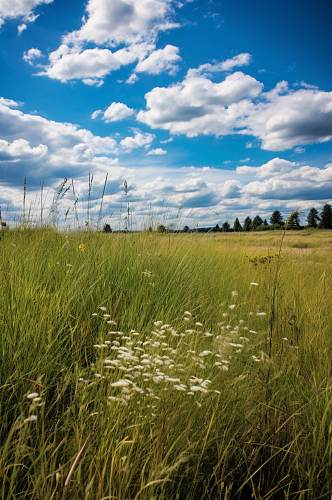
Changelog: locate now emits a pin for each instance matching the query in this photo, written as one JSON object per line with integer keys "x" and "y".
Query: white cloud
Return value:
{"x": 97, "y": 114}
{"x": 159, "y": 61}
{"x": 123, "y": 32}
{"x": 54, "y": 147}
{"x": 20, "y": 9}
{"x": 281, "y": 118}
{"x": 31, "y": 55}
{"x": 117, "y": 111}
{"x": 15, "y": 124}
{"x": 157, "y": 152}
{"x": 93, "y": 82}
{"x": 89, "y": 65}
{"x": 10, "y": 103}
{"x": 300, "y": 117}
{"x": 272, "y": 168}
{"x": 43, "y": 149}
{"x": 138, "y": 140}
{"x": 243, "y": 59}
{"x": 133, "y": 78}
{"x": 285, "y": 180}
{"x": 123, "y": 21}
{"x": 198, "y": 106}
{"x": 21, "y": 149}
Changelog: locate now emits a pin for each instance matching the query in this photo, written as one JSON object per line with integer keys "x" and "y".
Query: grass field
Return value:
{"x": 159, "y": 366}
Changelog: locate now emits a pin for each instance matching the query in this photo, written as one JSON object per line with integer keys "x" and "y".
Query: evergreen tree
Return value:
{"x": 293, "y": 221}
{"x": 313, "y": 217}
{"x": 216, "y": 228}
{"x": 276, "y": 218}
{"x": 265, "y": 222}
{"x": 237, "y": 225}
{"x": 247, "y": 224}
{"x": 226, "y": 227}
{"x": 107, "y": 228}
{"x": 258, "y": 221}
{"x": 161, "y": 228}
{"x": 326, "y": 217}
{"x": 186, "y": 229}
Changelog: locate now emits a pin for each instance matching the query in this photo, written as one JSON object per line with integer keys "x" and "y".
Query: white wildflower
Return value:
{"x": 32, "y": 418}
{"x": 204, "y": 353}
{"x": 121, "y": 383}
{"x": 33, "y": 395}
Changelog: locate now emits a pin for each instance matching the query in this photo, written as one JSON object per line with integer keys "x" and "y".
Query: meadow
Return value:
{"x": 165, "y": 366}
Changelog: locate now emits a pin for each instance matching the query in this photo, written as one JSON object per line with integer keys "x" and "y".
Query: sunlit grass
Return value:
{"x": 137, "y": 366}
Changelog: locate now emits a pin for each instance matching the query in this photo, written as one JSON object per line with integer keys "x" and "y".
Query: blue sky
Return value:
{"x": 214, "y": 108}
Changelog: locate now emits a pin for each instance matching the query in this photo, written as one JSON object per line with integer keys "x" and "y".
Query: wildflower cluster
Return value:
{"x": 35, "y": 402}
{"x": 188, "y": 359}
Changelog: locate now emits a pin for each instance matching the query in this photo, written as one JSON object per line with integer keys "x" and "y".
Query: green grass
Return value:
{"x": 256, "y": 420}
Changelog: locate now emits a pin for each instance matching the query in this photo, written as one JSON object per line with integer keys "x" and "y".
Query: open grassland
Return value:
{"x": 146, "y": 366}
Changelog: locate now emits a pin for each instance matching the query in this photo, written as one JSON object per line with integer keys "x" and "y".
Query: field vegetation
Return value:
{"x": 165, "y": 366}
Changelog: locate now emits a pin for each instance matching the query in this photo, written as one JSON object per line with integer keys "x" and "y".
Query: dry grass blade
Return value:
{"x": 72, "y": 469}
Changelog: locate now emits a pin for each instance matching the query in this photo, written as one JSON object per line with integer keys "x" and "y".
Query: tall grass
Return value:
{"x": 139, "y": 366}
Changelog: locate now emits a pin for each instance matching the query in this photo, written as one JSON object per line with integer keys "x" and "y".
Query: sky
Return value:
{"x": 210, "y": 110}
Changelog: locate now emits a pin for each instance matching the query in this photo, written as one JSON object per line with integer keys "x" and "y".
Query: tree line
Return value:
{"x": 315, "y": 219}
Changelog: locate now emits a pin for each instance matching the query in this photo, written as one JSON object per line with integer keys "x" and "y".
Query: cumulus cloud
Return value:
{"x": 54, "y": 147}
{"x": 123, "y": 21}
{"x": 157, "y": 152}
{"x": 284, "y": 180}
{"x": 47, "y": 150}
{"x": 90, "y": 65}
{"x": 112, "y": 35}
{"x": 199, "y": 106}
{"x": 300, "y": 117}
{"x": 21, "y": 149}
{"x": 15, "y": 124}
{"x": 281, "y": 118}
{"x": 10, "y": 103}
{"x": 20, "y": 9}
{"x": 31, "y": 55}
{"x": 138, "y": 140}
{"x": 117, "y": 111}
{"x": 133, "y": 78}
{"x": 160, "y": 60}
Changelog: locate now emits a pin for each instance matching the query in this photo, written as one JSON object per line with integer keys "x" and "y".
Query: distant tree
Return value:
{"x": 326, "y": 217}
{"x": 276, "y": 218}
{"x": 313, "y": 218}
{"x": 107, "y": 228}
{"x": 247, "y": 224}
{"x": 265, "y": 223}
{"x": 216, "y": 228}
{"x": 258, "y": 221}
{"x": 150, "y": 229}
{"x": 226, "y": 227}
{"x": 293, "y": 221}
{"x": 161, "y": 228}
{"x": 237, "y": 225}
{"x": 186, "y": 229}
